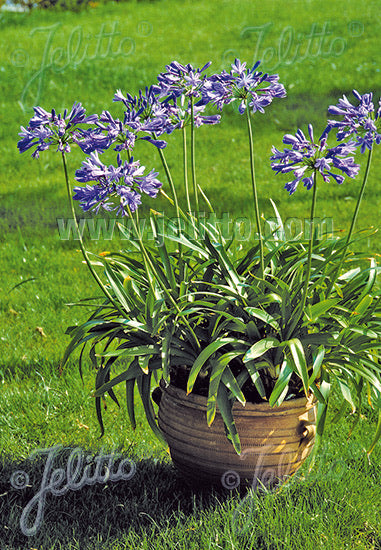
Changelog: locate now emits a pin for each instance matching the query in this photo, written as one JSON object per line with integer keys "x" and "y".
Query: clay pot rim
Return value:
{"x": 200, "y": 401}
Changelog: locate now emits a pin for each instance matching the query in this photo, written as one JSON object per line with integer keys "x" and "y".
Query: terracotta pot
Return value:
{"x": 275, "y": 441}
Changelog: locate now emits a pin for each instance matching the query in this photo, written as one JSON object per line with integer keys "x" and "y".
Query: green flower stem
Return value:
{"x": 309, "y": 258}
{"x": 353, "y": 223}
{"x": 179, "y": 212}
{"x": 139, "y": 236}
{"x": 204, "y": 196}
{"x": 255, "y": 194}
{"x": 170, "y": 180}
{"x": 84, "y": 252}
{"x": 193, "y": 159}
{"x": 185, "y": 161}
{"x": 150, "y": 266}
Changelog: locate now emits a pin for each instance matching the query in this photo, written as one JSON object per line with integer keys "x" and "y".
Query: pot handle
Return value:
{"x": 309, "y": 432}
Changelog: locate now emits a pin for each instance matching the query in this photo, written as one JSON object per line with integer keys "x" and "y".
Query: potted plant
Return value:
{"x": 242, "y": 343}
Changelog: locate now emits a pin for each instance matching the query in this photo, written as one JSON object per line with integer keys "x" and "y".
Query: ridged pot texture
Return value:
{"x": 275, "y": 441}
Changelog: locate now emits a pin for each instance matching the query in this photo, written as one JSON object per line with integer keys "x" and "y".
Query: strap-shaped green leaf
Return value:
{"x": 77, "y": 337}
{"x": 345, "y": 391}
{"x": 317, "y": 364}
{"x": 163, "y": 253}
{"x": 217, "y": 369}
{"x": 189, "y": 243}
{"x": 263, "y": 316}
{"x": 225, "y": 408}
{"x": 363, "y": 305}
{"x": 260, "y": 348}
{"x": 325, "y": 391}
{"x": 203, "y": 357}
{"x": 299, "y": 359}
{"x": 252, "y": 369}
{"x": 130, "y": 399}
{"x": 231, "y": 383}
{"x": 99, "y": 382}
{"x": 317, "y": 393}
{"x": 98, "y": 408}
{"x": 133, "y": 371}
{"x": 281, "y": 387}
{"x": 117, "y": 287}
{"x": 166, "y": 354}
{"x": 132, "y": 351}
{"x": 315, "y": 311}
{"x": 144, "y": 387}
{"x": 143, "y": 361}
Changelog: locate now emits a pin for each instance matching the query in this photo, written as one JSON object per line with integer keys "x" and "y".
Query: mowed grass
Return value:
{"x": 53, "y": 59}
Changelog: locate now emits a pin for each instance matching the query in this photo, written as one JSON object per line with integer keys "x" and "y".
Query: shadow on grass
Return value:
{"x": 155, "y": 495}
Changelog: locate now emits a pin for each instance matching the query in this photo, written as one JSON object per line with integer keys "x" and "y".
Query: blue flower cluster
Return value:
{"x": 362, "y": 121}
{"x": 46, "y": 129}
{"x": 305, "y": 158}
{"x": 179, "y": 99}
{"x": 159, "y": 110}
{"x": 253, "y": 88}
{"x": 122, "y": 185}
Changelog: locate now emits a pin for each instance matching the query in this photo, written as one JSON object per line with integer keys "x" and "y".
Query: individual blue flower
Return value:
{"x": 91, "y": 197}
{"x": 305, "y": 158}
{"x": 93, "y": 169}
{"x": 39, "y": 137}
{"x": 144, "y": 112}
{"x": 149, "y": 184}
{"x": 179, "y": 114}
{"x": 362, "y": 121}
{"x": 180, "y": 80}
{"x": 252, "y": 88}
{"x": 92, "y": 140}
{"x": 47, "y": 128}
{"x": 129, "y": 200}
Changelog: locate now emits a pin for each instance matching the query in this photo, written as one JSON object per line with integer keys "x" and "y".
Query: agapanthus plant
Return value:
{"x": 362, "y": 122}
{"x": 270, "y": 323}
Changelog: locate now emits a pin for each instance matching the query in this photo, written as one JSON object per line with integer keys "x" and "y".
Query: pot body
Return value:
{"x": 275, "y": 441}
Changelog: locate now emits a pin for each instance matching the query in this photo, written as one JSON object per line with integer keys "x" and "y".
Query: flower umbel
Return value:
{"x": 253, "y": 88}
{"x": 362, "y": 121}
{"x": 46, "y": 129}
{"x": 305, "y": 157}
{"x": 180, "y": 79}
{"x": 117, "y": 188}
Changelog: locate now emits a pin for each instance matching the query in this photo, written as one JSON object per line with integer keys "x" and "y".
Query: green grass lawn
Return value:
{"x": 321, "y": 50}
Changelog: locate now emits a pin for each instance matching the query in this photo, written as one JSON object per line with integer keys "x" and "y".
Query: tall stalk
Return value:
{"x": 83, "y": 250}
{"x": 185, "y": 164}
{"x": 149, "y": 265}
{"x": 255, "y": 193}
{"x": 179, "y": 212}
{"x": 353, "y": 222}
{"x": 309, "y": 259}
{"x": 170, "y": 180}
{"x": 193, "y": 159}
